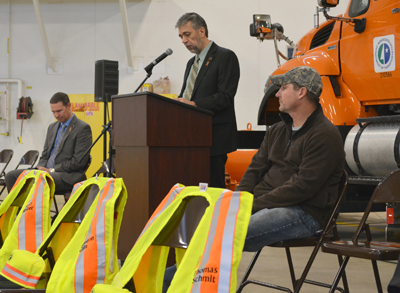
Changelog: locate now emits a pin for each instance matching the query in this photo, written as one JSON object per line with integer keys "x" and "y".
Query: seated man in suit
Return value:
{"x": 66, "y": 142}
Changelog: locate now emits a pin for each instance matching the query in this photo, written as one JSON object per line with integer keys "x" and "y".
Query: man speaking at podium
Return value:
{"x": 210, "y": 82}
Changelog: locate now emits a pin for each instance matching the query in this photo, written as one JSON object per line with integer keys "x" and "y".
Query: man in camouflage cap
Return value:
{"x": 303, "y": 76}
{"x": 295, "y": 174}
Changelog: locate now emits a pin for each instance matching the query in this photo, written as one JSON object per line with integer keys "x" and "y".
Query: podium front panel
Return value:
{"x": 158, "y": 143}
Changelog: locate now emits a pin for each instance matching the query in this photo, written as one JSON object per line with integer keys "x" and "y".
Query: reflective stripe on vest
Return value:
{"x": 93, "y": 251}
{"x": 19, "y": 277}
{"x": 9, "y": 207}
{"x": 215, "y": 266}
{"x": 30, "y": 228}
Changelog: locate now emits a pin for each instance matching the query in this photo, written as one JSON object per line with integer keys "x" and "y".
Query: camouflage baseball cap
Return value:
{"x": 303, "y": 76}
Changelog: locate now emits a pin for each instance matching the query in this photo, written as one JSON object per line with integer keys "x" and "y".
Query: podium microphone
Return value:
{"x": 160, "y": 58}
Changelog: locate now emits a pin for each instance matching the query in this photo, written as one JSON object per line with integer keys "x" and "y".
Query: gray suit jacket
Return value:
{"x": 75, "y": 143}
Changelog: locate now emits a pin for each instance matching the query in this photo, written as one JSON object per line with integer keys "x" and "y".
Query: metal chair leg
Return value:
{"x": 303, "y": 277}
{"x": 4, "y": 187}
{"x": 248, "y": 271}
{"x": 377, "y": 278}
{"x": 291, "y": 268}
{"x": 344, "y": 277}
{"x": 306, "y": 270}
{"x": 339, "y": 274}
{"x": 55, "y": 204}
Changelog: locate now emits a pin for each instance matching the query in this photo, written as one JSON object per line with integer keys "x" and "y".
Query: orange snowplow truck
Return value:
{"x": 355, "y": 54}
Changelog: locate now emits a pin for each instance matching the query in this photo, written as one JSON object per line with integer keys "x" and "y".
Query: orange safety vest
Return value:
{"x": 212, "y": 257}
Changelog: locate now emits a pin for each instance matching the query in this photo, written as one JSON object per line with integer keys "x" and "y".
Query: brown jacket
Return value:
{"x": 304, "y": 170}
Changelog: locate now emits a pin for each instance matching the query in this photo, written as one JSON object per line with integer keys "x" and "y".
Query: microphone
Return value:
{"x": 160, "y": 58}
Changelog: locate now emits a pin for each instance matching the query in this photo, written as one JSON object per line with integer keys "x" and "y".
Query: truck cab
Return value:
{"x": 355, "y": 54}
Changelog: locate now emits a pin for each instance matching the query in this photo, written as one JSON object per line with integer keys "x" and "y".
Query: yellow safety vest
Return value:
{"x": 211, "y": 260}
{"x": 33, "y": 221}
{"x": 91, "y": 255}
{"x": 63, "y": 229}
{"x": 15, "y": 200}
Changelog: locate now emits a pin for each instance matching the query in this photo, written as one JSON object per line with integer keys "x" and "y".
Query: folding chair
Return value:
{"x": 328, "y": 233}
{"x": 67, "y": 193}
{"x": 387, "y": 191}
{"x": 27, "y": 161}
{"x": 5, "y": 158}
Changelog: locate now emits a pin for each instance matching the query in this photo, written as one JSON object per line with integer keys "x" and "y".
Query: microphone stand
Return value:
{"x": 149, "y": 73}
{"x": 105, "y": 128}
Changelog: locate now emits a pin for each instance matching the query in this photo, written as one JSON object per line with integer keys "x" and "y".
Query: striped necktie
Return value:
{"x": 192, "y": 80}
{"x": 52, "y": 159}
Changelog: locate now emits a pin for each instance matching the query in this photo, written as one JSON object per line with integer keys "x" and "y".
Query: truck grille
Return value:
{"x": 322, "y": 36}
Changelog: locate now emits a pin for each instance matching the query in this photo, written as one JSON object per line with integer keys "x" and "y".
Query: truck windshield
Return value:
{"x": 358, "y": 7}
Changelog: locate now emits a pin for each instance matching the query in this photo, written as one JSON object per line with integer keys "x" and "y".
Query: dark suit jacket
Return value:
{"x": 214, "y": 90}
{"x": 76, "y": 141}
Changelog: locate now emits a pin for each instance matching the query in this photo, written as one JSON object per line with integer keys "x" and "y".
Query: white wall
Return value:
{"x": 80, "y": 32}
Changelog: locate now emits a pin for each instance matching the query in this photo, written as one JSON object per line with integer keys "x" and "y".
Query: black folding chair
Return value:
{"x": 387, "y": 191}
{"x": 27, "y": 161}
{"x": 5, "y": 158}
{"x": 328, "y": 233}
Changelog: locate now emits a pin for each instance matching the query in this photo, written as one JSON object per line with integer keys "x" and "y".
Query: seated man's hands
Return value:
{"x": 43, "y": 169}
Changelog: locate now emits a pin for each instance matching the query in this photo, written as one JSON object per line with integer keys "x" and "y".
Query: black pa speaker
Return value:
{"x": 105, "y": 80}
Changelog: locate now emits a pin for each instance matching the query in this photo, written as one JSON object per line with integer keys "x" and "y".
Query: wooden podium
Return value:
{"x": 158, "y": 142}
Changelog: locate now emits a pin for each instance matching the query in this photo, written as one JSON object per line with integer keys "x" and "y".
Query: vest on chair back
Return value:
{"x": 15, "y": 200}
{"x": 91, "y": 255}
{"x": 61, "y": 232}
{"x": 33, "y": 221}
{"x": 213, "y": 255}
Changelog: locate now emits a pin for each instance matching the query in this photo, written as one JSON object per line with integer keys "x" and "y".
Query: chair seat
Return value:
{"x": 302, "y": 242}
{"x": 310, "y": 241}
{"x": 374, "y": 252}
{"x": 2, "y": 182}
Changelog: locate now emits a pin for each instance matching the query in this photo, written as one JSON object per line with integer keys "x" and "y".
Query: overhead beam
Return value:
{"x": 124, "y": 17}
{"x": 49, "y": 60}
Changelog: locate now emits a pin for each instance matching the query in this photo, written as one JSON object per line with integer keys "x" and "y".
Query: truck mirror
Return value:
{"x": 328, "y": 3}
{"x": 261, "y": 25}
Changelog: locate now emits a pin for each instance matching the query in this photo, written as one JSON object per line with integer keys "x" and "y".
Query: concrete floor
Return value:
{"x": 272, "y": 265}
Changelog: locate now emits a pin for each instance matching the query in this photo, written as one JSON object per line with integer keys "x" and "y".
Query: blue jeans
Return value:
{"x": 268, "y": 226}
